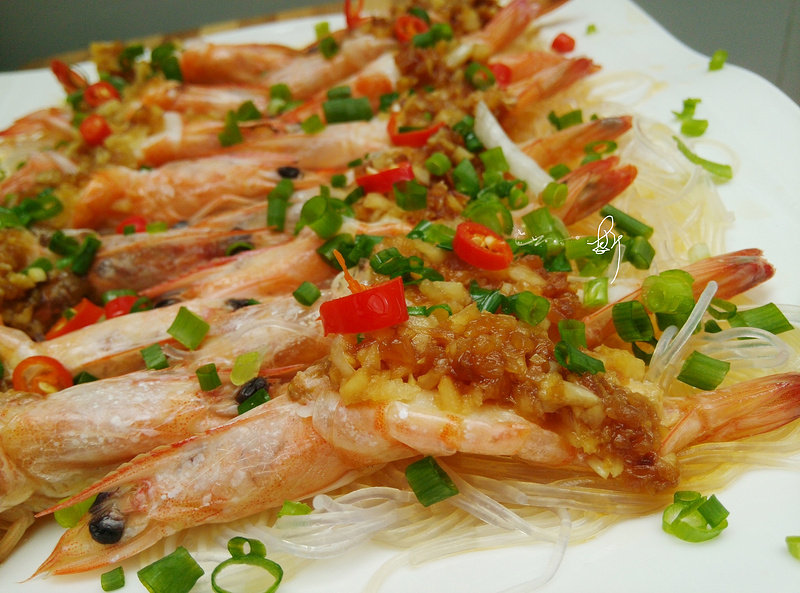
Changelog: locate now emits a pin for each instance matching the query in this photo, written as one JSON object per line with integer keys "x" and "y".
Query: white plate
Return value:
{"x": 762, "y": 126}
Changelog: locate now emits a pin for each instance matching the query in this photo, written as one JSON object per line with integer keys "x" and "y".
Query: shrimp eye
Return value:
{"x": 107, "y": 523}
{"x": 249, "y": 388}
{"x": 236, "y": 304}
{"x": 165, "y": 303}
{"x": 289, "y": 172}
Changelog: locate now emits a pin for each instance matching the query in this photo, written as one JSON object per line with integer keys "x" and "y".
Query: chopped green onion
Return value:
{"x": 466, "y": 179}
{"x": 479, "y": 76}
{"x": 156, "y": 227}
{"x": 720, "y": 170}
{"x": 63, "y": 244}
{"x": 554, "y": 194}
{"x": 277, "y": 202}
{"x": 313, "y": 124}
{"x": 70, "y": 516}
{"x": 163, "y": 58}
{"x": 248, "y": 111}
{"x": 542, "y": 222}
{"x": 208, "y": 377}
{"x": 385, "y": 101}
{"x": 595, "y": 292}
{"x": 429, "y": 481}
{"x": 694, "y": 127}
{"x": 231, "y": 134}
{"x": 338, "y": 180}
{"x": 82, "y": 377}
{"x": 188, "y": 328}
{"x": 639, "y": 252}
{"x": 339, "y": 92}
{"x": 113, "y": 579}
{"x": 422, "y": 311}
{"x": 793, "y": 545}
{"x": 346, "y": 110}
{"x": 410, "y": 195}
{"x": 718, "y": 60}
{"x": 438, "y": 164}
{"x": 632, "y": 322}
{"x": 256, "y": 557}
{"x": 307, "y": 293}
{"x": 528, "y": 307}
{"x": 573, "y": 332}
{"x": 489, "y": 211}
{"x": 261, "y": 396}
{"x": 572, "y": 359}
{"x": 703, "y": 372}
{"x": 351, "y": 249}
{"x": 466, "y": 128}
{"x": 392, "y": 263}
{"x": 767, "y": 317}
{"x": 323, "y": 214}
{"x": 494, "y": 160}
{"x": 571, "y": 118}
{"x": 280, "y": 91}
{"x": 694, "y": 518}
{"x": 711, "y": 327}
{"x": 627, "y": 223}
{"x": 435, "y": 233}
{"x": 322, "y": 30}
{"x": 667, "y": 294}
{"x": 175, "y": 573}
{"x": 354, "y": 196}
{"x": 591, "y": 28}
{"x": 721, "y": 309}
{"x": 110, "y": 295}
{"x": 328, "y": 47}
{"x": 245, "y": 367}
{"x": 238, "y": 247}
{"x": 293, "y": 508}
{"x": 437, "y": 32}
{"x": 558, "y": 171}
{"x": 154, "y": 358}
{"x": 420, "y": 14}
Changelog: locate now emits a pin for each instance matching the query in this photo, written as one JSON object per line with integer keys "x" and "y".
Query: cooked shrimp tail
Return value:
{"x": 732, "y": 413}
{"x": 735, "y": 273}
{"x": 592, "y": 186}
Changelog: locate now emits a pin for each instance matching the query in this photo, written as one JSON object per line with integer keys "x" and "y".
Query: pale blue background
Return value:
{"x": 761, "y": 35}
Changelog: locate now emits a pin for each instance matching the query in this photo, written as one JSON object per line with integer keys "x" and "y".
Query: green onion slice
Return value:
{"x": 307, "y": 293}
{"x": 208, "y": 377}
{"x": 793, "y": 544}
{"x": 154, "y": 357}
{"x": 347, "y": 109}
{"x": 718, "y": 60}
{"x": 70, "y": 516}
{"x": 175, "y": 573}
{"x": 718, "y": 169}
{"x": 429, "y": 481}
{"x": 694, "y": 518}
{"x": 261, "y": 396}
{"x": 767, "y": 317}
{"x": 256, "y": 558}
{"x": 570, "y": 118}
{"x": 188, "y": 328}
{"x": 293, "y": 508}
{"x": 595, "y": 292}
{"x": 702, "y": 371}
{"x": 572, "y": 359}
{"x": 435, "y": 233}
{"x": 113, "y": 579}
{"x": 410, "y": 195}
{"x": 245, "y": 367}
{"x": 438, "y": 164}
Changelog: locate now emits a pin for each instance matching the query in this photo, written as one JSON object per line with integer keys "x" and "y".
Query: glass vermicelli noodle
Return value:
{"x": 234, "y": 276}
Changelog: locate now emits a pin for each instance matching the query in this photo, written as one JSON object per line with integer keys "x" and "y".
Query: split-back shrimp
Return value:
{"x": 305, "y": 446}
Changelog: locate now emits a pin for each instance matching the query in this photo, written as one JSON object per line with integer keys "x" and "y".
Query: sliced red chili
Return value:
{"x": 408, "y": 25}
{"x": 375, "y": 308}
{"x": 352, "y": 14}
{"x": 71, "y": 80}
{"x": 502, "y": 74}
{"x": 120, "y": 306}
{"x": 41, "y": 374}
{"x": 85, "y": 313}
{"x": 414, "y": 138}
{"x": 137, "y": 223}
{"x": 481, "y": 247}
{"x": 95, "y": 130}
{"x": 383, "y": 181}
{"x": 563, "y": 43}
{"x": 98, "y": 93}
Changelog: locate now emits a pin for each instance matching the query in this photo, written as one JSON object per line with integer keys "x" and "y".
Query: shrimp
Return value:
{"x": 179, "y": 190}
{"x": 39, "y": 169}
{"x": 214, "y": 63}
{"x": 736, "y": 272}
{"x": 567, "y": 145}
{"x": 332, "y": 148}
{"x": 141, "y": 260}
{"x": 201, "y": 100}
{"x": 592, "y": 186}
{"x": 542, "y": 85}
{"x": 292, "y": 448}
{"x": 112, "y": 347}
